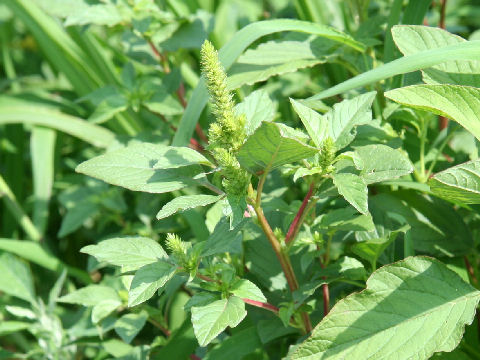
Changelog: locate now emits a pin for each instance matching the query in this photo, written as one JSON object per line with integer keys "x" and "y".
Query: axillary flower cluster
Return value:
{"x": 227, "y": 134}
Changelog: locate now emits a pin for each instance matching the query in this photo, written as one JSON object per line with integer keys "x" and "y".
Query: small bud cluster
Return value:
{"x": 227, "y": 134}
{"x": 180, "y": 252}
{"x": 327, "y": 155}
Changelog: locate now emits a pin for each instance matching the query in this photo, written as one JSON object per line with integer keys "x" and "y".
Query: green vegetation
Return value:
{"x": 239, "y": 179}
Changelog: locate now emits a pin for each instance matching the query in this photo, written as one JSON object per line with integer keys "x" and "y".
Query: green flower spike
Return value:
{"x": 227, "y": 134}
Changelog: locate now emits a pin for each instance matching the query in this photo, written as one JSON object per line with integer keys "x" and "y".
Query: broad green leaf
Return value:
{"x": 316, "y": 124}
{"x": 232, "y": 50}
{"x": 201, "y": 299}
{"x": 257, "y": 107}
{"x": 129, "y": 325}
{"x": 371, "y": 249}
{"x": 469, "y": 50}
{"x": 344, "y": 268}
{"x": 108, "y": 108}
{"x": 146, "y": 167}
{"x": 210, "y": 320}
{"x": 77, "y": 215}
{"x": 10, "y": 327}
{"x": 246, "y": 289}
{"x": 460, "y": 183}
{"x": 90, "y": 295}
{"x": 148, "y": 279}
{"x": 14, "y": 112}
{"x": 237, "y": 346}
{"x": 345, "y": 116}
{"x": 16, "y": 279}
{"x": 104, "y": 308}
{"x": 276, "y": 58}
{"x": 380, "y": 162}
{"x": 412, "y": 39}
{"x": 130, "y": 252}
{"x": 223, "y": 239}
{"x": 353, "y": 188}
{"x": 186, "y": 202}
{"x": 409, "y": 310}
{"x": 346, "y": 219}
{"x": 271, "y": 146}
{"x": 459, "y": 103}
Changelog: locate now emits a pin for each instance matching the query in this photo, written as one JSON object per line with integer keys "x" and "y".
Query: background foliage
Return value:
{"x": 87, "y": 270}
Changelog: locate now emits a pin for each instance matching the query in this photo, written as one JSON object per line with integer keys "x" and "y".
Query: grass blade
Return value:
{"x": 464, "y": 51}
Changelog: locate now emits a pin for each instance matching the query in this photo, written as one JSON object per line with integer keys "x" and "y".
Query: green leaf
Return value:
{"x": 371, "y": 250}
{"x": 460, "y": 183}
{"x": 410, "y": 310}
{"x": 108, "y": 108}
{"x": 147, "y": 280}
{"x": 316, "y": 124}
{"x": 380, "y": 162}
{"x": 257, "y": 107}
{"x": 413, "y": 39}
{"x": 210, "y": 320}
{"x": 237, "y": 346}
{"x": 346, "y": 219}
{"x": 232, "y": 50}
{"x": 271, "y": 146}
{"x": 246, "y": 289}
{"x": 16, "y": 279}
{"x": 224, "y": 239}
{"x": 276, "y": 58}
{"x": 353, "y": 188}
{"x": 90, "y": 295}
{"x": 459, "y": 103}
{"x": 469, "y": 50}
{"x": 146, "y": 167}
{"x": 104, "y": 308}
{"x": 130, "y": 252}
{"x": 101, "y": 14}
{"x": 345, "y": 116}
{"x": 11, "y": 327}
{"x": 182, "y": 203}
{"x": 129, "y": 325}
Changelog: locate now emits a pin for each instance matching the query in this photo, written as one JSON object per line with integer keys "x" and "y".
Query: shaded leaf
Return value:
{"x": 129, "y": 325}
{"x": 353, "y": 189}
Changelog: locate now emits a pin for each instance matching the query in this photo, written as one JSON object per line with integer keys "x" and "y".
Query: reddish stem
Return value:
{"x": 194, "y": 357}
{"x": 261, "y": 305}
{"x": 296, "y": 223}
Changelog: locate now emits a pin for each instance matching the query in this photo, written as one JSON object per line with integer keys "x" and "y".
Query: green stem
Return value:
{"x": 17, "y": 212}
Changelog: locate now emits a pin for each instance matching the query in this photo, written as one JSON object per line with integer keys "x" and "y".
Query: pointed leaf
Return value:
{"x": 316, "y": 124}
{"x": 133, "y": 252}
{"x": 129, "y": 325}
{"x": 380, "y": 162}
{"x": 353, "y": 189}
{"x": 246, "y": 289}
{"x": 210, "y": 320}
{"x": 146, "y": 167}
{"x": 345, "y": 116}
{"x": 459, "y": 103}
{"x": 182, "y": 203}
{"x": 410, "y": 310}
{"x": 272, "y": 145}
{"x": 16, "y": 279}
{"x": 148, "y": 280}
{"x": 90, "y": 295}
{"x": 275, "y": 58}
{"x": 460, "y": 183}
{"x": 257, "y": 107}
